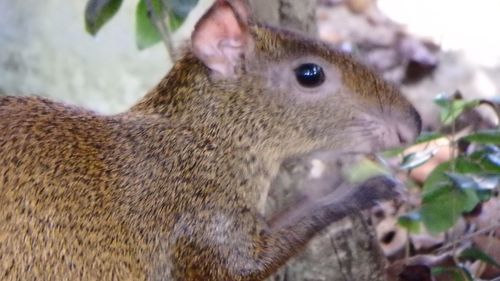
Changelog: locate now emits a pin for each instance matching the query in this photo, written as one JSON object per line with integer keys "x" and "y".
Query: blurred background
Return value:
{"x": 427, "y": 46}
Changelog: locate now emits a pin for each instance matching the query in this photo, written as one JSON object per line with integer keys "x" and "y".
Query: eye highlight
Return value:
{"x": 310, "y": 75}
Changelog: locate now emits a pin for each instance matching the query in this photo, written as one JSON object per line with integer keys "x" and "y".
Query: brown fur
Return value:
{"x": 172, "y": 188}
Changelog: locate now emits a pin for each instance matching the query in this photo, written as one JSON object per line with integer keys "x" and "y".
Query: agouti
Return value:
{"x": 173, "y": 188}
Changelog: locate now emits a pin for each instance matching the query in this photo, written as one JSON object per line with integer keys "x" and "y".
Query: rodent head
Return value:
{"x": 291, "y": 92}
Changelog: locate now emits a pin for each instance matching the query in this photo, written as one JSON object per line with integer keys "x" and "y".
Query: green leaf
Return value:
{"x": 181, "y": 8}
{"x": 417, "y": 159}
{"x": 484, "y": 194}
{"x": 436, "y": 179}
{"x": 437, "y": 216}
{"x": 446, "y": 196}
{"x": 479, "y": 157}
{"x": 452, "y": 108}
{"x": 458, "y": 273}
{"x": 465, "y": 164}
{"x": 411, "y": 221}
{"x": 428, "y": 136}
{"x": 98, "y": 13}
{"x": 178, "y": 10}
{"x": 487, "y": 181}
{"x": 442, "y": 210}
{"x": 392, "y": 152}
{"x": 146, "y": 32}
{"x": 494, "y": 159}
{"x": 175, "y": 21}
{"x": 476, "y": 163}
{"x": 363, "y": 170}
{"x": 476, "y": 254}
{"x": 456, "y": 107}
{"x": 442, "y": 100}
{"x": 485, "y": 137}
{"x": 465, "y": 273}
{"x": 462, "y": 181}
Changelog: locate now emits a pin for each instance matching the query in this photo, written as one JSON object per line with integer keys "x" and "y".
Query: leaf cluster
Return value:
{"x": 459, "y": 185}
{"x": 147, "y": 26}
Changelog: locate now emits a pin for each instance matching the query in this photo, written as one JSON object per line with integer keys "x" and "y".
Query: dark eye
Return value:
{"x": 310, "y": 75}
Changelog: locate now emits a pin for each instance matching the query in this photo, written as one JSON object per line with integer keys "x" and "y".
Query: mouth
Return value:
{"x": 371, "y": 147}
{"x": 377, "y": 134}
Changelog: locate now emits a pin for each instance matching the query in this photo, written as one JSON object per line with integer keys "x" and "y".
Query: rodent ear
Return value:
{"x": 221, "y": 37}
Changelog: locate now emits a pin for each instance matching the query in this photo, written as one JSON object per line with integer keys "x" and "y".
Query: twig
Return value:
{"x": 161, "y": 26}
{"x": 493, "y": 105}
{"x": 469, "y": 236}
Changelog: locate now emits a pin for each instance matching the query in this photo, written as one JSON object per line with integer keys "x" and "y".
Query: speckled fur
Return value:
{"x": 171, "y": 189}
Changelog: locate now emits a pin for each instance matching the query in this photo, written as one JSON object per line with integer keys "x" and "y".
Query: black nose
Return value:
{"x": 407, "y": 130}
{"x": 406, "y": 133}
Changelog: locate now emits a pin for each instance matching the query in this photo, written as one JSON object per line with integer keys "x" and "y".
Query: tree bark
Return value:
{"x": 292, "y": 14}
{"x": 347, "y": 250}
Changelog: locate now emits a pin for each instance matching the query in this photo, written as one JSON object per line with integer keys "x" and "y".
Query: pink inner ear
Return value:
{"x": 219, "y": 39}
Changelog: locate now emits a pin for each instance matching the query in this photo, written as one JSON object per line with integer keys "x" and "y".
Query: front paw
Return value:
{"x": 376, "y": 189}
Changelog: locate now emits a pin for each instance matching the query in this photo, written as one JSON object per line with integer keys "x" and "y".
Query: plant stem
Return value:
{"x": 159, "y": 21}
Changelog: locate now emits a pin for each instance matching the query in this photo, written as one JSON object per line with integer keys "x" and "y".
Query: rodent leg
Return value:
{"x": 247, "y": 247}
